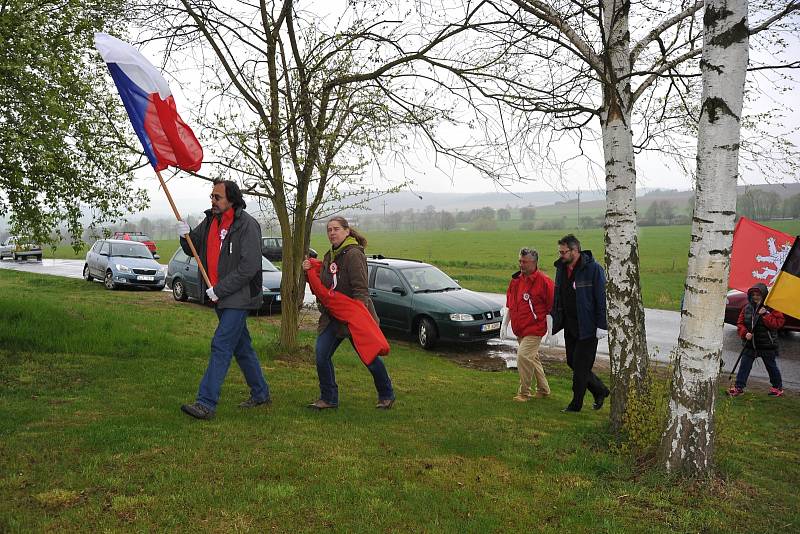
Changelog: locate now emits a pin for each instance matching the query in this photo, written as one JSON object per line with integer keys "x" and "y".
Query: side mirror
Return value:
{"x": 399, "y": 290}
{"x": 156, "y": 257}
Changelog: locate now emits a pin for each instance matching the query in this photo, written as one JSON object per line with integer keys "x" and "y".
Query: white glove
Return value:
{"x": 549, "y": 332}
{"x": 601, "y": 333}
{"x": 504, "y": 326}
{"x": 182, "y": 228}
{"x": 211, "y": 294}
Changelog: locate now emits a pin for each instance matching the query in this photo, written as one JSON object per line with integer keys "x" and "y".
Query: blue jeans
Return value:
{"x": 327, "y": 343}
{"x": 231, "y": 339}
{"x": 769, "y": 358}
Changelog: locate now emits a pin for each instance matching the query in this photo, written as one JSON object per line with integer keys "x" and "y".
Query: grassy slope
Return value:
{"x": 483, "y": 261}
{"x": 91, "y": 438}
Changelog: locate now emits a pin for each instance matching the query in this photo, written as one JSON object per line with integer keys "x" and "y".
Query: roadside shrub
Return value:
{"x": 646, "y": 415}
{"x": 527, "y": 225}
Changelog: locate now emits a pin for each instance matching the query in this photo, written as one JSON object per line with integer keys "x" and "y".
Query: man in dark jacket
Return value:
{"x": 579, "y": 307}
{"x": 228, "y": 242}
{"x": 758, "y": 327}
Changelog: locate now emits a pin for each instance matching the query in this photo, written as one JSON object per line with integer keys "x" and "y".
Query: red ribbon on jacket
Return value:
{"x": 367, "y": 337}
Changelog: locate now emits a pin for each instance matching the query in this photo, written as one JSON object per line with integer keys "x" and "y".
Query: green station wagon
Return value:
{"x": 416, "y": 297}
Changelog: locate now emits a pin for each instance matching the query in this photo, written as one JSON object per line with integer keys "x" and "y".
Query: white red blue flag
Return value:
{"x": 166, "y": 139}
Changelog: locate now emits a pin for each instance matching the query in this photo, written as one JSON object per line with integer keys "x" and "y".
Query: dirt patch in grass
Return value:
{"x": 58, "y": 498}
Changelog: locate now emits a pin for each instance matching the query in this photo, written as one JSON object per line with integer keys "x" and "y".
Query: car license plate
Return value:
{"x": 278, "y": 298}
{"x": 490, "y": 326}
{"x": 146, "y": 278}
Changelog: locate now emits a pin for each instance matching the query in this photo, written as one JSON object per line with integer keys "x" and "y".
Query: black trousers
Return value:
{"x": 580, "y": 358}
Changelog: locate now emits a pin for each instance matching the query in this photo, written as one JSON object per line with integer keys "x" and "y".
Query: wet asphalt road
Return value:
{"x": 662, "y": 332}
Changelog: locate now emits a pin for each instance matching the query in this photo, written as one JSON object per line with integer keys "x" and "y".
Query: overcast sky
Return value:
{"x": 653, "y": 172}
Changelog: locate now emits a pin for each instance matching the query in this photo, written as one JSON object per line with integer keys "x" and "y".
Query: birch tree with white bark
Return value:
{"x": 688, "y": 443}
{"x": 602, "y": 67}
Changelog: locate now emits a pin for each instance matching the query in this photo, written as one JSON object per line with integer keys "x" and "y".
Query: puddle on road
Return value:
{"x": 495, "y": 355}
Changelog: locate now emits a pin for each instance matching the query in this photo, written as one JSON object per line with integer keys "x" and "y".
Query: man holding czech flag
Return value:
{"x": 229, "y": 240}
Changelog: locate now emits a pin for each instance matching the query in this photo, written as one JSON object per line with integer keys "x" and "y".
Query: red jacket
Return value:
{"x": 539, "y": 288}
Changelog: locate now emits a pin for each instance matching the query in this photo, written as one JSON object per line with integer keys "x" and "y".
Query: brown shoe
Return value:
{"x": 521, "y": 398}
{"x": 385, "y": 404}
{"x": 322, "y": 405}
{"x": 541, "y": 395}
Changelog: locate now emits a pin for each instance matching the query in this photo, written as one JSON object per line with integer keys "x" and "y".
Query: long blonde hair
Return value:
{"x": 353, "y": 232}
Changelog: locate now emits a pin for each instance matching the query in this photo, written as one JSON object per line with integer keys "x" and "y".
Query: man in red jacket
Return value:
{"x": 529, "y": 299}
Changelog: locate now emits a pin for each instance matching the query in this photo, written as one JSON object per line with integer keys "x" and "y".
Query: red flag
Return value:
{"x": 758, "y": 254}
{"x": 367, "y": 337}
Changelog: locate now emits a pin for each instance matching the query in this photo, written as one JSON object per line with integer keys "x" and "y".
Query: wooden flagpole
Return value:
{"x": 188, "y": 239}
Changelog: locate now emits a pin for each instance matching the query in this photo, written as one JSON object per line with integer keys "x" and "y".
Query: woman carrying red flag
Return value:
{"x": 344, "y": 269}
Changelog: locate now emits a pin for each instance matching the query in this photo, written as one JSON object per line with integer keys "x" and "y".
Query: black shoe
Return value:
{"x": 252, "y": 403}
{"x": 569, "y": 409}
{"x": 198, "y": 411}
{"x": 598, "y": 402}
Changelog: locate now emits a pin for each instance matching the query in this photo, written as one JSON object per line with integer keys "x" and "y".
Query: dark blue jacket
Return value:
{"x": 590, "y": 293}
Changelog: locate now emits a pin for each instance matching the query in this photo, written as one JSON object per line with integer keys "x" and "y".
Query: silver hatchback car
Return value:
{"x": 121, "y": 263}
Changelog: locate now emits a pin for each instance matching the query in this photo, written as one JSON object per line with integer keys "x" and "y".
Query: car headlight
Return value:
{"x": 163, "y": 269}
{"x": 122, "y": 268}
{"x": 460, "y": 317}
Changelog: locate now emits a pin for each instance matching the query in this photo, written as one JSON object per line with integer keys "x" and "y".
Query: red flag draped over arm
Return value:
{"x": 367, "y": 337}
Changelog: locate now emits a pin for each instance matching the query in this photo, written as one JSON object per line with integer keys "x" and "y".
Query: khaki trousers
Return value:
{"x": 529, "y": 365}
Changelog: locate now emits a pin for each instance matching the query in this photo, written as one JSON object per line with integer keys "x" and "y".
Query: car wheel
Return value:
{"x": 426, "y": 333}
{"x": 178, "y": 291}
{"x": 108, "y": 281}
{"x": 86, "y": 275}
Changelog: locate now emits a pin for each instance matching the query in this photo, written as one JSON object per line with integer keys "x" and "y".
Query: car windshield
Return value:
{"x": 266, "y": 265}
{"x": 130, "y": 250}
{"x": 427, "y": 279}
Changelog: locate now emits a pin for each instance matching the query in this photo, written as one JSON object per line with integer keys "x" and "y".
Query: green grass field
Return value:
{"x": 484, "y": 261}
{"x": 92, "y": 438}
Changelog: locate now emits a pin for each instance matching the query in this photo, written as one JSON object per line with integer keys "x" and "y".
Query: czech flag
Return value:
{"x": 166, "y": 139}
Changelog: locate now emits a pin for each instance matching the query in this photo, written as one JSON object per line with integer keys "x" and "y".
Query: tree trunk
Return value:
{"x": 687, "y": 445}
{"x": 627, "y": 342}
{"x": 293, "y": 287}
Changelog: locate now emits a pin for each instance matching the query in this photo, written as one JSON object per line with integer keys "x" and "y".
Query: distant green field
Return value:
{"x": 483, "y": 261}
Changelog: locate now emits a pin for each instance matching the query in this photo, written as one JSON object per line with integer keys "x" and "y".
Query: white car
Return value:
{"x": 17, "y": 250}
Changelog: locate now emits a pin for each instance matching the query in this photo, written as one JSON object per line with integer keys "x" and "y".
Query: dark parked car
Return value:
{"x": 183, "y": 277}
{"x": 736, "y": 300}
{"x": 120, "y": 263}
{"x": 415, "y": 297}
{"x": 272, "y": 249}
{"x": 138, "y": 237}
